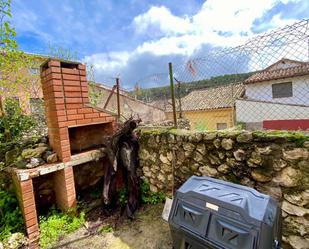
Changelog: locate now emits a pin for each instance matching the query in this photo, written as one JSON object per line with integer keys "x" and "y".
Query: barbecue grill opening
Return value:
{"x": 83, "y": 138}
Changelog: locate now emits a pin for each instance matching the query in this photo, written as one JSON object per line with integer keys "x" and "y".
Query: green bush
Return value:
{"x": 57, "y": 224}
{"x": 13, "y": 123}
{"x": 241, "y": 125}
{"x": 201, "y": 126}
{"x": 149, "y": 197}
{"x": 11, "y": 220}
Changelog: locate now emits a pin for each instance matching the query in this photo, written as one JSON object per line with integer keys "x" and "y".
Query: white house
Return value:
{"x": 276, "y": 97}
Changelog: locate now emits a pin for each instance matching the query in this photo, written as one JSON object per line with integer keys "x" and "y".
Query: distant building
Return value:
{"x": 210, "y": 109}
{"x": 34, "y": 104}
{"x": 107, "y": 99}
{"x": 276, "y": 97}
{"x": 29, "y": 104}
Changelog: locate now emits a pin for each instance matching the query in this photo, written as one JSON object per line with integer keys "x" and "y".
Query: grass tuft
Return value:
{"x": 57, "y": 224}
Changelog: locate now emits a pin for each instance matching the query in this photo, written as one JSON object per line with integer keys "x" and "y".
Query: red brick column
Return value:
{"x": 66, "y": 98}
{"x": 56, "y": 116}
{"x": 65, "y": 189}
{"x": 25, "y": 195}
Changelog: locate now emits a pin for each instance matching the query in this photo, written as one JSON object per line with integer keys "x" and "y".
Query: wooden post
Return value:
{"x": 172, "y": 93}
{"x": 179, "y": 97}
{"x": 118, "y": 98}
{"x": 109, "y": 97}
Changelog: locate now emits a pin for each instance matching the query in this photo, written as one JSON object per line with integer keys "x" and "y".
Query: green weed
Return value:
{"x": 106, "y": 229}
{"x": 149, "y": 197}
{"x": 57, "y": 224}
{"x": 11, "y": 220}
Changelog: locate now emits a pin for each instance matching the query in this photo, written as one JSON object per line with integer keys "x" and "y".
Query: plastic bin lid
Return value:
{"x": 242, "y": 199}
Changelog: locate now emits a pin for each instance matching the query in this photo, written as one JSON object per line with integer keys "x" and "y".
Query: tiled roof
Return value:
{"x": 282, "y": 69}
{"x": 212, "y": 98}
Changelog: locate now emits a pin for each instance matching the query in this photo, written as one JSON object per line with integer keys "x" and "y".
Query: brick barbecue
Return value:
{"x": 68, "y": 114}
{"x": 76, "y": 130}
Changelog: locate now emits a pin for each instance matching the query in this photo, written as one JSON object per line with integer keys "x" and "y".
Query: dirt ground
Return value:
{"x": 147, "y": 231}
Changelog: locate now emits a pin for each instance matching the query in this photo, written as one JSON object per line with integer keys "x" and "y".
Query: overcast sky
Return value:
{"x": 136, "y": 38}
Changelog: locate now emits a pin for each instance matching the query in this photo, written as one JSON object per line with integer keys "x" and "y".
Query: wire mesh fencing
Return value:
{"x": 154, "y": 92}
{"x": 104, "y": 95}
{"x": 146, "y": 99}
{"x": 263, "y": 84}
{"x": 139, "y": 101}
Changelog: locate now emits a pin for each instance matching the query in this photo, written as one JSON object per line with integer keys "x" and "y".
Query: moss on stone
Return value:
{"x": 153, "y": 130}
{"x": 293, "y": 136}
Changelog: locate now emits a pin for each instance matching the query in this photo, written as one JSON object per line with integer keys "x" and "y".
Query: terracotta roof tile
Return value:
{"x": 212, "y": 98}
{"x": 274, "y": 72}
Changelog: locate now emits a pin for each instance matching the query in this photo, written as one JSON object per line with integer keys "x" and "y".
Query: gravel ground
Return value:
{"x": 147, "y": 231}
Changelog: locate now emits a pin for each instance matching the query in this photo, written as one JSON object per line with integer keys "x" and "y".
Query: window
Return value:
{"x": 34, "y": 70}
{"x": 221, "y": 126}
{"x": 282, "y": 90}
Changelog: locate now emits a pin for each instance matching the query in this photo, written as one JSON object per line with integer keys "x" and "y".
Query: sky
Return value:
{"x": 132, "y": 39}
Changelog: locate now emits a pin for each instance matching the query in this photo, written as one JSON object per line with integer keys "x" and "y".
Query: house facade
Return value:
{"x": 210, "y": 109}
{"x": 276, "y": 97}
{"x": 29, "y": 95}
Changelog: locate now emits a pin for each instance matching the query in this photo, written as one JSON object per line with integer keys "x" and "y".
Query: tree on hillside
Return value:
{"x": 184, "y": 88}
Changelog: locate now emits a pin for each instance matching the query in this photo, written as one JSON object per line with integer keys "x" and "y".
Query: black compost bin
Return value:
{"x": 210, "y": 213}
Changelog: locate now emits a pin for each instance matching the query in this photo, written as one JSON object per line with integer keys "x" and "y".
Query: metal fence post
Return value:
{"x": 118, "y": 98}
{"x": 170, "y": 66}
{"x": 179, "y": 97}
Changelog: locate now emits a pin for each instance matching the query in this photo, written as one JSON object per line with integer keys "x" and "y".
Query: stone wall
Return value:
{"x": 273, "y": 163}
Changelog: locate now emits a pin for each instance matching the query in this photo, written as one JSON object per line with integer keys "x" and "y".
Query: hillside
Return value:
{"x": 182, "y": 89}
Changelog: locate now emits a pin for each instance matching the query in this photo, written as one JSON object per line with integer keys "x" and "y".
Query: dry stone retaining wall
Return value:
{"x": 273, "y": 163}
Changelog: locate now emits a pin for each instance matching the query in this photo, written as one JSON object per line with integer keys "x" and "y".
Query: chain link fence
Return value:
{"x": 148, "y": 99}
{"x": 137, "y": 101}
{"x": 262, "y": 84}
